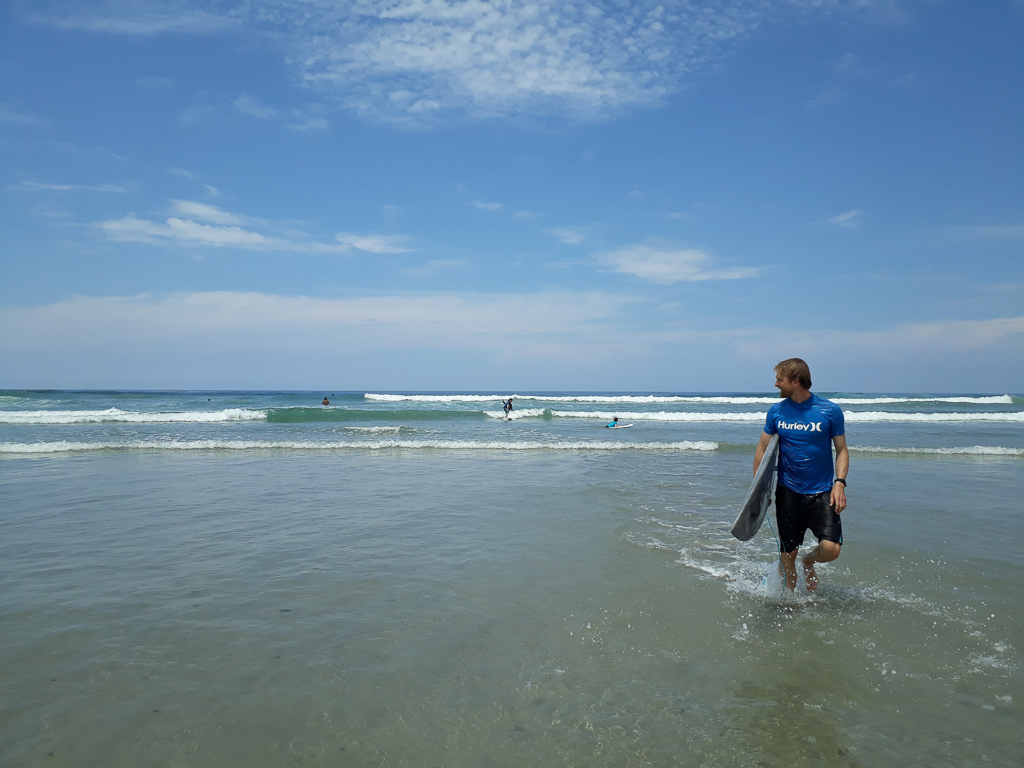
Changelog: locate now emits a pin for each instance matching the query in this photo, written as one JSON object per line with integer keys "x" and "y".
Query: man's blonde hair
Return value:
{"x": 795, "y": 368}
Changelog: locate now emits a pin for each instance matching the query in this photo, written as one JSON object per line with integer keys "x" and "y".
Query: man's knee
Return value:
{"x": 827, "y": 551}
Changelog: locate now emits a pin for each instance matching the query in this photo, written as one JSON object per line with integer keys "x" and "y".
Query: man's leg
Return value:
{"x": 825, "y": 552}
{"x": 788, "y": 560}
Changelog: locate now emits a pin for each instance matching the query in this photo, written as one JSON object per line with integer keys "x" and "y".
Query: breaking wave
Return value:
{"x": 753, "y": 416}
{"x": 136, "y": 417}
{"x": 367, "y": 445}
{"x": 709, "y": 399}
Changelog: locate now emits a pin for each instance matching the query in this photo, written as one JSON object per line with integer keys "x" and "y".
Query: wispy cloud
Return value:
{"x": 667, "y": 266}
{"x": 208, "y": 213}
{"x": 395, "y": 321}
{"x": 143, "y": 19}
{"x": 420, "y": 61}
{"x": 500, "y": 58}
{"x": 934, "y": 336}
{"x": 569, "y": 235}
{"x": 310, "y": 124}
{"x": 374, "y": 243}
{"x": 848, "y": 219}
{"x": 425, "y": 61}
{"x": 253, "y": 107}
{"x": 250, "y": 105}
{"x": 11, "y": 115}
{"x": 206, "y": 226}
{"x": 487, "y": 206}
{"x": 37, "y": 186}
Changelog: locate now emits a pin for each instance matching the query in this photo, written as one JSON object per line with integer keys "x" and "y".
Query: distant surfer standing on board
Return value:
{"x": 808, "y": 494}
{"x": 507, "y": 407}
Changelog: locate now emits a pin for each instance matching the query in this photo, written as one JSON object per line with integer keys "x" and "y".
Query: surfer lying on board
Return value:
{"x": 808, "y": 494}
{"x": 614, "y": 423}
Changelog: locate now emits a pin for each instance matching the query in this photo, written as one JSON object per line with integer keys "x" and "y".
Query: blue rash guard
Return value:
{"x": 805, "y": 433}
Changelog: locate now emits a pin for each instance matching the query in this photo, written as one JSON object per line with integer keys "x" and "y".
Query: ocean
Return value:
{"x": 406, "y": 579}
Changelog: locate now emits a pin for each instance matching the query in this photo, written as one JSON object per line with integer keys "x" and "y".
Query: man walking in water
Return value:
{"x": 808, "y": 494}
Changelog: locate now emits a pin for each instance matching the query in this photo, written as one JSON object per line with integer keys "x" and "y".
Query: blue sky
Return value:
{"x": 512, "y": 196}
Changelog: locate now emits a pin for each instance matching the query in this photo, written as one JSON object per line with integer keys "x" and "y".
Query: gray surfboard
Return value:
{"x": 749, "y": 520}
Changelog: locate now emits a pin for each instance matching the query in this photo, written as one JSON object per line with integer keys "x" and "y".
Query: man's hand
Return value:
{"x": 838, "y": 499}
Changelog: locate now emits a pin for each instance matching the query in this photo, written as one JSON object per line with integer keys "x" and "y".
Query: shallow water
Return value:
{"x": 497, "y": 607}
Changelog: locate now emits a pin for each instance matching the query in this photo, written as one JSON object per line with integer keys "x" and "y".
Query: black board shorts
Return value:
{"x": 798, "y": 512}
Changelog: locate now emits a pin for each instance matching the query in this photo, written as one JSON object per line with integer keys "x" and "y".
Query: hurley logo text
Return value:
{"x": 815, "y": 427}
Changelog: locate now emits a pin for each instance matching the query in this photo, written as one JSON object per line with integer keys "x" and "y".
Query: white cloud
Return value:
{"x": 528, "y": 215}
{"x": 183, "y": 173}
{"x": 941, "y": 334}
{"x": 397, "y": 321}
{"x": 374, "y": 243}
{"x": 665, "y": 267}
{"x": 424, "y": 61}
{"x": 208, "y": 213}
{"x": 501, "y": 58}
{"x": 848, "y": 219}
{"x": 35, "y": 186}
{"x": 310, "y": 124}
{"x": 143, "y": 20}
{"x": 423, "y": 106}
{"x": 250, "y": 105}
{"x": 903, "y": 339}
{"x": 569, "y": 235}
{"x": 487, "y": 206}
{"x": 188, "y": 232}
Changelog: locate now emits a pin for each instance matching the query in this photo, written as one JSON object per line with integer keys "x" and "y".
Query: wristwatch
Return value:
{"x": 840, "y": 480}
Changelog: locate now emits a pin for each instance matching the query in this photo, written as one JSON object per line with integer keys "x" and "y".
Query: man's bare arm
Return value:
{"x": 838, "y": 498}
{"x": 761, "y": 448}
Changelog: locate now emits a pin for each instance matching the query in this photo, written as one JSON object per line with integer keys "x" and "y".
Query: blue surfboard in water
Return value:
{"x": 759, "y": 497}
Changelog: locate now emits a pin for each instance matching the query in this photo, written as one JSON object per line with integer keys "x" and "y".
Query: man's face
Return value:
{"x": 786, "y": 386}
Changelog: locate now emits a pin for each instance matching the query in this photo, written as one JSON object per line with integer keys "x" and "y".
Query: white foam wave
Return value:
{"x": 376, "y": 430}
{"x": 325, "y": 445}
{"x": 521, "y": 413}
{"x": 1013, "y": 416}
{"x": 708, "y": 399}
{"x": 967, "y": 450}
{"x": 993, "y": 400}
{"x": 137, "y": 417}
{"x": 658, "y": 416}
{"x": 439, "y": 398}
{"x": 753, "y": 416}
